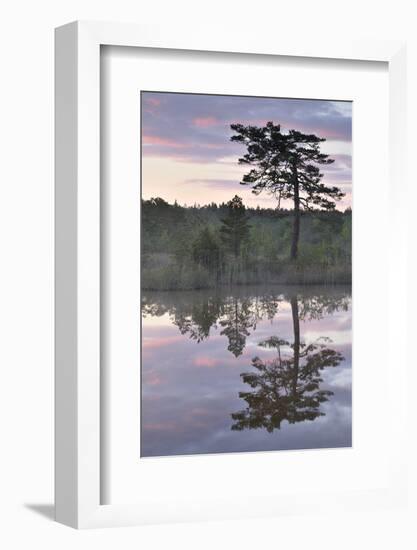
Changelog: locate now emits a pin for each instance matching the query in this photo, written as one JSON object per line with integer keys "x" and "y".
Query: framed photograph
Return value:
{"x": 241, "y": 289}
{"x": 227, "y": 335}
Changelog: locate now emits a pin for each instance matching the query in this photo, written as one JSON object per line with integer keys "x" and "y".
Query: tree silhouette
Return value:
{"x": 237, "y": 321}
{"x": 317, "y": 306}
{"x": 235, "y": 228}
{"x": 285, "y": 165}
{"x": 198, "y": 322}
{"x": 236, "y": 315}
{"x": 287, "y": 387}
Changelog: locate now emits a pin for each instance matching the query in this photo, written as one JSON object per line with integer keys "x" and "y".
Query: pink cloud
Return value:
{"x": 153, "y": 101}
{"x": 203, "y": 361}
{"x": 155, "y": 343}
{"x": 156, "y": 140}
{"x": 152, "y": 379}
{"x": 205, "y": 122}
{"x": 151, "y": 105}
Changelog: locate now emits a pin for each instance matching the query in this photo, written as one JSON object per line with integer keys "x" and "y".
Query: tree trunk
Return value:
{"x": 296, "y": 222}
{"x": 296, "y": 327}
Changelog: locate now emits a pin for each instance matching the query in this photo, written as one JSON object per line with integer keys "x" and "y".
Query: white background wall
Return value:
{"x": 26, "y": 236}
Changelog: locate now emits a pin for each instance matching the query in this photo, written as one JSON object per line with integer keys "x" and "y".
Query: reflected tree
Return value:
{"x": 238, "y": 319}
{"x": 238, "y": 314}
{"x": 288, "y": 386}
{"x": 198, "y": 323}
{"x": 241, "y": 315}
{"x": 266, "y": 305}
{"x": 152, "y": 307}
{"x": 317, "y": 306}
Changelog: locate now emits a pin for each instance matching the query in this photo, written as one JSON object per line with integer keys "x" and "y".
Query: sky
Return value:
{"x": 187, "y": 154}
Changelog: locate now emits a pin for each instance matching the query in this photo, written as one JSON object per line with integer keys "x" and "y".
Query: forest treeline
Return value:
{"x": 190, "y": 247}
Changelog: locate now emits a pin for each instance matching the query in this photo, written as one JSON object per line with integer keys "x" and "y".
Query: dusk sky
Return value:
{"x": 187, "y": 154}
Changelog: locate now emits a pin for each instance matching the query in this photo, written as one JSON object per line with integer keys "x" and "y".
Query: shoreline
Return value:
{"x": 265, "y": 285}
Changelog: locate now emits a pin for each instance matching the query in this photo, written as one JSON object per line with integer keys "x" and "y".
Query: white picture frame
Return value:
{"x": 78, "y": 405}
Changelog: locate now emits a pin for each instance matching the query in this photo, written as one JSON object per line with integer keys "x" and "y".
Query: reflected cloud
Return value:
{"x": 153, "y": 343}
{"x": 191, "y": 375}
{"x": 208, "y": 362}
{"x": 152, "y": 379}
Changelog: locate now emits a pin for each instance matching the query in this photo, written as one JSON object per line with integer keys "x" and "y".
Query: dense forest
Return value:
{"x": 188, "y": 247}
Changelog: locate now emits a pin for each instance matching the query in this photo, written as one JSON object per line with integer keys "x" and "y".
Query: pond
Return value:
{"x": 246, "y": 369}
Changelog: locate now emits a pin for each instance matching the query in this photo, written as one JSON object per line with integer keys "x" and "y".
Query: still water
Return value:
{"x": 246, "y": 369}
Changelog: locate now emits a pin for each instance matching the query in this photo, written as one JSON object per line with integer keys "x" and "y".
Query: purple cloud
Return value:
{"x": 200, "y": 124}
{"x": 195, "y": 129}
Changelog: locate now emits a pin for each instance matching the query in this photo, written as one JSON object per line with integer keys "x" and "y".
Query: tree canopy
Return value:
{"x": 235, "y": 227}
{"x": 285, "y": 165}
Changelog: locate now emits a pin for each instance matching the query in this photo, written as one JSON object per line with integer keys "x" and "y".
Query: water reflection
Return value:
{"x": 284, "y": 352}
{"x": 196, "y": 313}
{"x": 287, "y": 387}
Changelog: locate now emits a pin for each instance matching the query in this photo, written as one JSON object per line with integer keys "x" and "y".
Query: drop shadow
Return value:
{"x": 45, "y": 510}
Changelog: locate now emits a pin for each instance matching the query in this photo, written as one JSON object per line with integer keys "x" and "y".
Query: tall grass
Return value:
{"x": 172, "y": 277}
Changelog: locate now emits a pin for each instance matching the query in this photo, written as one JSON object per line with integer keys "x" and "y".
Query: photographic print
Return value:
{"x": 246, "y": 268}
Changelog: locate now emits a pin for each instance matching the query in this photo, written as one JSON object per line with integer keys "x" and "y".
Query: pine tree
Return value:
{"x": 235, "y": 227}
{"x": 285, "y": 166}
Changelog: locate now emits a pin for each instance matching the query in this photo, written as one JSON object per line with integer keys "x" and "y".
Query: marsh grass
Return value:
{"x": 172, "y": 277}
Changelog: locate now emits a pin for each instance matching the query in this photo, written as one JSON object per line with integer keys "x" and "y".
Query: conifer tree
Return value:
{"x": 235, "y": 227}
{"x": 285, "y": 165}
